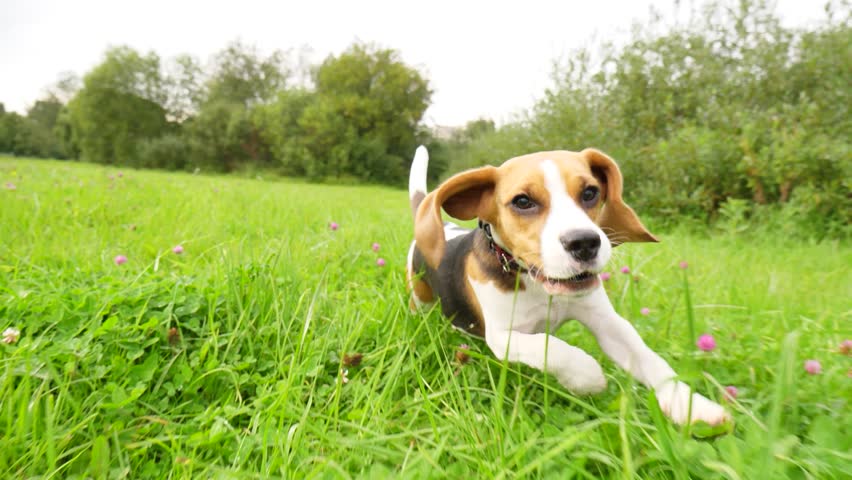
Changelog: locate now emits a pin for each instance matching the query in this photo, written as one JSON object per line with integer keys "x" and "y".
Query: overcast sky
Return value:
{"x": 483, "y": 58}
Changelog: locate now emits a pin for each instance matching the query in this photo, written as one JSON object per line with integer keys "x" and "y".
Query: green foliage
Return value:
{"x": 184, "y": 79}
{"x": 228, "y": 360}
{"x": 223, "y": 129}
{"x": 25, "y": 136}
{"x": 170, "y": 151}
{"x": 363, "y": 119}
{"x": 120, "y": 105}
{"x": 465, "y": 147}
{"x": 441, "y": 154}
{"x": 279, "y": 123}
{"x": 730, "y": 105}
{"x": 45, "y": 112}
{"x": 63, "y": 133}
{"x": 241, "y": 75}
{"x": 359, "y": 122}
{"x": 227, "y": 136}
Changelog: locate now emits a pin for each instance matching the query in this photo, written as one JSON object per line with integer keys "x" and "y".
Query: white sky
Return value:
{"x": 483, "y": 58}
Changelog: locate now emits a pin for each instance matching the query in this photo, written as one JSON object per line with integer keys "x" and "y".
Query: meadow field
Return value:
{"x": 271, "y": 345}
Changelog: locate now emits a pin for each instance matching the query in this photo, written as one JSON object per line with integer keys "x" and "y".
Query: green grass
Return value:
{"x": 225, "y": 361}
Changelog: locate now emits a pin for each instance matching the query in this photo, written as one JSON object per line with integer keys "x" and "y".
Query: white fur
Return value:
{"x": 417, "y": 176}
{"x": 451, "y": 231}
{"x": 564, "y": 216}
{"x": 516, "y": 327}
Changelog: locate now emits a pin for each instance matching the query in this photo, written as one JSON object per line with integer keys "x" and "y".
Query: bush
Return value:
{"x": 680, "y": 175}
{"x": 23, "y": 136}
{"x": 170, "y": 152}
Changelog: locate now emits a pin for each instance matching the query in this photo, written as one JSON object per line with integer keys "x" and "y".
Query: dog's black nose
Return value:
{"x": 582, "y": 245}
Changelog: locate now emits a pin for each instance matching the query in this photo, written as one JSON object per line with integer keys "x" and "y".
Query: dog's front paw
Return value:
{"x": 674, "y": 398}
{"x": 586, "y": 379}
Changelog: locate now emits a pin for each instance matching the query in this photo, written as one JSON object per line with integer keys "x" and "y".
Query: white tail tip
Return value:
{"x": 417, "y": 178}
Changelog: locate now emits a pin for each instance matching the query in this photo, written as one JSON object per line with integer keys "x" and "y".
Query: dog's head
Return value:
{"x": 558, "y": 213}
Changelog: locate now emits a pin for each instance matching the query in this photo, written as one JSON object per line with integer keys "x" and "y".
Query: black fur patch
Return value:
{"x": 448, "y": 282}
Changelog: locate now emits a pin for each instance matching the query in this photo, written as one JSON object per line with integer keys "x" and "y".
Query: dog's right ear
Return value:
{"x": 616, "y": 219}
{"x": 464, "y": 196}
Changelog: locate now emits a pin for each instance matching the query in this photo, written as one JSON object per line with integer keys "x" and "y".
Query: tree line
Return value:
{"x": 358, "y": 117}
{"x": 729, "y": 116}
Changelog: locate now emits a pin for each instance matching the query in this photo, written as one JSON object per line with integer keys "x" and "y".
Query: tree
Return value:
{"x": 457, "y": 150}
{"x": 7, "y": 131}
{"x": 279, "y": 124}
{"x": 226, "y": 137}
{"x": 45, "y": 112}
{"x": 184, "y": 79}
{"x": 365, "y": 115}
{"x": 122, "y": 102}
{"x": 66, "y": 86}
{"x": 475, "y": 129}
{"x": 239, "y": 74}
{"x": 360, "y": 119}
{"x": 20, "y": 135}
{"x": 224, "y": 128}
{"x": 33, "y": 134}
{"x": 64, "y": 134}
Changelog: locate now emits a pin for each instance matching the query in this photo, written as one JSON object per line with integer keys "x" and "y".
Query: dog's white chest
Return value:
{"x": 527, "y": 311}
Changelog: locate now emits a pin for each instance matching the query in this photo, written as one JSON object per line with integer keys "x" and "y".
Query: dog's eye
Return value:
{"x": 523, "y": 202}
{"x": 590, "y": 196}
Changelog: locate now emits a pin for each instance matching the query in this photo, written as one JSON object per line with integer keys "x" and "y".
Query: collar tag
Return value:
{"x": 507, "y": 261}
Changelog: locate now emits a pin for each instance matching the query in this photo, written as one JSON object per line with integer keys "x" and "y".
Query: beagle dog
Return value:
{"x": 547, "y": 224}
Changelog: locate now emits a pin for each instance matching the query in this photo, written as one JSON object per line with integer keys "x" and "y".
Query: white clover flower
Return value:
{"x": 11, "y": 335}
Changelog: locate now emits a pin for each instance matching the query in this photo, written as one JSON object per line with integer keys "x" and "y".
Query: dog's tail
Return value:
{"x": 417, "y": 178}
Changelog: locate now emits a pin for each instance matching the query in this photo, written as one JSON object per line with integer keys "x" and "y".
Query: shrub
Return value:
{"x": 171, "y": 152}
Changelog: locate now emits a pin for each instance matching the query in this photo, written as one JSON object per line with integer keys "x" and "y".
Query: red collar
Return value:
{"x": 507, "y": 261}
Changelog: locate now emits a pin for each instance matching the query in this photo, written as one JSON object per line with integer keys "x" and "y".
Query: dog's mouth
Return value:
{"x": 561, "y": 286}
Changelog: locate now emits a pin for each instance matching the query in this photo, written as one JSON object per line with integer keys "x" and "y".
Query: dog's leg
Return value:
{"x": 575, "y": 369}
{"x": 421, "y": 292}
{"x": 620, "y": 341}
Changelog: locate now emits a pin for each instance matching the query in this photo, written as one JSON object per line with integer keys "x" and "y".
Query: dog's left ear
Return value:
{"x": 616, "y": 219}
{"x": 464, "y": 196}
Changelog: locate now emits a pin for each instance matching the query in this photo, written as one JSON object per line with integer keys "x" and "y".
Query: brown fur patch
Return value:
{"x": 417, "y": 287}
{"x": 422, "y": 291}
